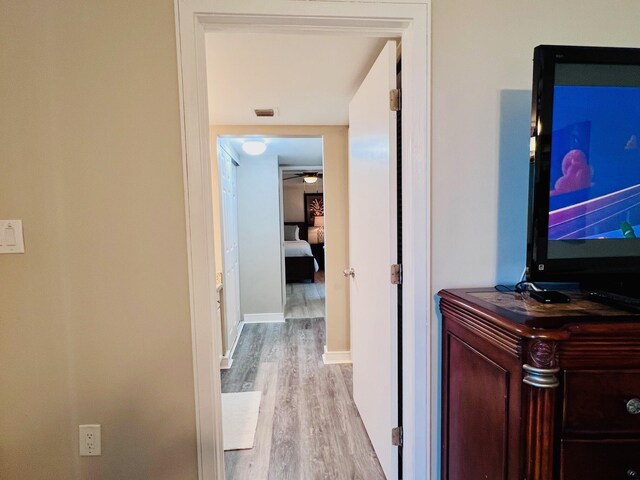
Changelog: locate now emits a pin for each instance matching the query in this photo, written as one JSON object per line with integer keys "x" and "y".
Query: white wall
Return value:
{"x": 293, "y": 197}
{"x": 481, "y": 103}
{"x": 482, "y": 70}
{"x": 259, "y": 235}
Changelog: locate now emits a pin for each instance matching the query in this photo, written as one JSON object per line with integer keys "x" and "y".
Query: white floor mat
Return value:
{"x": 239, "y": 419}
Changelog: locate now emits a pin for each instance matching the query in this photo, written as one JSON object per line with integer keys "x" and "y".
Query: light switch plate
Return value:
{"x": 11, "y": 238}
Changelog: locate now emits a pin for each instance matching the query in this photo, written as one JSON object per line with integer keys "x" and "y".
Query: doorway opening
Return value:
{"x": 306, "y": 209}
{"x": 410, "y": 21}
{"x": 303, "y": 216}
{"x": 269, "y": 207}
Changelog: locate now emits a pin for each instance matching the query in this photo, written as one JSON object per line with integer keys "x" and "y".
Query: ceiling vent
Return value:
{"x": 265, "y": 112}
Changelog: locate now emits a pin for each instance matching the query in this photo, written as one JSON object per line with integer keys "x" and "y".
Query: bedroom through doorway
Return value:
{"x": 302, "y": 216}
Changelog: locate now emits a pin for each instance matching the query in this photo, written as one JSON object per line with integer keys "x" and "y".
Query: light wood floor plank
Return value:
{"x": 254, "y": 463}
{"x": 309, "y": 428}
{"x": 305, "y": 300}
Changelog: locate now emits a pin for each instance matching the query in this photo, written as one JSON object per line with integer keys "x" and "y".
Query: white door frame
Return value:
{"x": 281, "y": 173}
{"x": 410, "y": 21}
{"x": 230, "y": 293}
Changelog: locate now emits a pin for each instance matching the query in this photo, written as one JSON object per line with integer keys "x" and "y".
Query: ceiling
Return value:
{"x": 298, "y": 151}
{"x": 308, "y": 79}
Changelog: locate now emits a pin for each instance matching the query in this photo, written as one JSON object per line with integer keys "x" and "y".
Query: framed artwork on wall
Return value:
{"x": 313, "y": 207}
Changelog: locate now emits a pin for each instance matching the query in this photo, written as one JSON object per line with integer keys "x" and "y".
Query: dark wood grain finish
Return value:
{"x": 542, "y": 354}
{"x": 540, "y": 410}
{"x": 484, "y": 328}
{"x": 599, "y": 460}
{"x": 504, "y": 365}
{"x": 299, "y": 269}
{"x": 595, "y": 401}
{"x": 318, "y": 252}
{"x": 536, "y": 320}
{"x": 561, "y": 376}
{"x": 602, "y": 349}
{"x": 484, "y": 390}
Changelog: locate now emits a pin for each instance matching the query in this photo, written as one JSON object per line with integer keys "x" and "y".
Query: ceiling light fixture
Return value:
{"x": 254, "y": 147}
{"x": 310, "y": 178}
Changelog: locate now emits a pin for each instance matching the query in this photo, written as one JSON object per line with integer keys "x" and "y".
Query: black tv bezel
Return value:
{"x": 539, "y": 267}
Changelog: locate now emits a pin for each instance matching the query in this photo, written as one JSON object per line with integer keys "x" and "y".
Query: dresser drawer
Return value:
{"x": 601, "y": 401}
{"x": 599, "y": 460}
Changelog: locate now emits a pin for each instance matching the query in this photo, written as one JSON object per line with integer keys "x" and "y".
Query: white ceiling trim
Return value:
{"x": 380, "y": 27}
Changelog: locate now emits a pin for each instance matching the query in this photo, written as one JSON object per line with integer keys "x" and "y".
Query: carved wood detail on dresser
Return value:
{"x": 538, "y": 392}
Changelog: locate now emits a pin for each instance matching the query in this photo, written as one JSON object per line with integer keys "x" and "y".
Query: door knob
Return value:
{"x": 349, "y": 273}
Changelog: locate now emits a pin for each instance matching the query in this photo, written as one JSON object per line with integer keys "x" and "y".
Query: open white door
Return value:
{"x": 372, "y": 251}
{"x": 230, "y": 248}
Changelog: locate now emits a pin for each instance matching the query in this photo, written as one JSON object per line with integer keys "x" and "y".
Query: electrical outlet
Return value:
{"x": 90, "y": 442}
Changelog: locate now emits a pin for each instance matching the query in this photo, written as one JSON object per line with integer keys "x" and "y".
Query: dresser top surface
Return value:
{"x": 521, "y": 310}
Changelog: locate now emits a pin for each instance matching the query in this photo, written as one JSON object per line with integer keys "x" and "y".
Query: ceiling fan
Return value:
{"x": 307, "y": 177}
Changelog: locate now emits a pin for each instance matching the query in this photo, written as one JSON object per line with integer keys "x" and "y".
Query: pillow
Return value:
{"x": 291, "y": 232}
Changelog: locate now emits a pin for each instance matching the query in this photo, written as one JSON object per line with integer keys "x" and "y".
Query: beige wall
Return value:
{"x": 481, "y": 104}
{"x": 335, "y": 144}
{"x": 94, "y": 317}
{"x": 293, "y": 197}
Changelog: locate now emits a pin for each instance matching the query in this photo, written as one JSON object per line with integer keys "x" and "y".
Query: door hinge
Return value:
{"x": 396, "y": 436}
{"x": 396, "y": 274}
{"x": 395, "y": 100}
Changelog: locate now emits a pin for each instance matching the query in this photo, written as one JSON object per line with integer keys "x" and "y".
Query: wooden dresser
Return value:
{"x": 318, "y": 252}
{"x": 538, "y": 392}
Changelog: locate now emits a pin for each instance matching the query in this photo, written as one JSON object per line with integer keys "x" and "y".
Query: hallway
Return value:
{"x": 309, "y": 427}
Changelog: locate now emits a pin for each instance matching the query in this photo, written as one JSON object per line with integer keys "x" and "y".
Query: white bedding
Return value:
{"x": 299, "y": 248}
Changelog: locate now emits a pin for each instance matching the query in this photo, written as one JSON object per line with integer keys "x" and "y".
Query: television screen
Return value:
{"x": 594, "y": 172}
{"x": 584, "y": 196}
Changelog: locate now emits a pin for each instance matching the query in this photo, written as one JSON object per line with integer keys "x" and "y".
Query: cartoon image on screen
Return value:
{"x": 595, "y": 163}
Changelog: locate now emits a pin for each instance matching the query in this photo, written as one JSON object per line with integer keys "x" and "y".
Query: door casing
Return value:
{"x": 227, "y": 164}
{"x": 410, "y": 22}
{"x": 282, "y": 171}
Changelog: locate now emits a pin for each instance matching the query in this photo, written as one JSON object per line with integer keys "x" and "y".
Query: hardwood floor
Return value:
{"x": 309, "y": 427}
{"x": 305, "y": 300}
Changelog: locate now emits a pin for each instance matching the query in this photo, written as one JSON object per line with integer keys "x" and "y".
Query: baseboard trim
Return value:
{"x": 235, "y": 343}
{"x": 335, "y": 357}
{"x": 225, "y": 362}
{"x": 264, "y": 317}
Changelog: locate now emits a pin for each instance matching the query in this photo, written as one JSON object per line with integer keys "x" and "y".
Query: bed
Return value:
{"x": 299, "y": 262}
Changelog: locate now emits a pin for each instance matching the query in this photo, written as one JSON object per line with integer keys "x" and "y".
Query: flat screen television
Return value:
{"x": 584, "y": 199}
